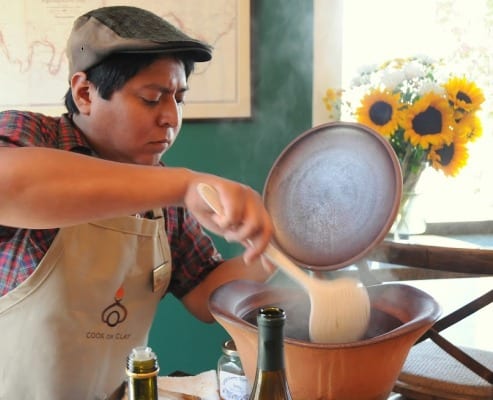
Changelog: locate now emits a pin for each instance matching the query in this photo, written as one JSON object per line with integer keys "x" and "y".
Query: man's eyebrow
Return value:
{"x": 166, "y": 89}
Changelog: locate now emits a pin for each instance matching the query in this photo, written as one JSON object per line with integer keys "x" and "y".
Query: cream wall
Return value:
{"x": 327, "y": 53}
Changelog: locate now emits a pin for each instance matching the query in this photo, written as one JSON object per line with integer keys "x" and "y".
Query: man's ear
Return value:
{"x": 81, "y": 88}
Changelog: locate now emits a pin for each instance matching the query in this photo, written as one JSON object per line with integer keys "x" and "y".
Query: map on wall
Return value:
{"x": 33, "y": 64}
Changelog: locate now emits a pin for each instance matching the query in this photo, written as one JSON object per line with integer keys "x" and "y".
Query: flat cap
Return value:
{"x": 124, "y": 29}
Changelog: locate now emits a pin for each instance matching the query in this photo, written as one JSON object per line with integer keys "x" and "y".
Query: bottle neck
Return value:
{"x": 271, "y": 348}
{"x": 142, "y": 388}
{"x": 270, "y": 323}
{"x": 270, "y": 379}
{"x": 142, "y": 371}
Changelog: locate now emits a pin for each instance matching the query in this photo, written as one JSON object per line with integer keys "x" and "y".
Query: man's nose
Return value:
{"x": 170, "y": 114}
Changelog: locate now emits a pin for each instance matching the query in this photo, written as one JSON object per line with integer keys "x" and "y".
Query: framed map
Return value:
{"x": 33, "y": 64}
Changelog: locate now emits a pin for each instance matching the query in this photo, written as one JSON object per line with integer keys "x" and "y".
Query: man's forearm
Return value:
{"x": 47, "y": 188}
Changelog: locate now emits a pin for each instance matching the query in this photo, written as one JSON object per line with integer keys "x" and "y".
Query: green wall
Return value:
{"x": 243, "y": 150}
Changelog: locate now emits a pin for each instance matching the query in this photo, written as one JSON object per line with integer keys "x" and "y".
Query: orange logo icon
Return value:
{"x": 116, "y": 312}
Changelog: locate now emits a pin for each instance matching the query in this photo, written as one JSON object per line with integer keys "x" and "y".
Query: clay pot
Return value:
{"x": 363, "y": 370}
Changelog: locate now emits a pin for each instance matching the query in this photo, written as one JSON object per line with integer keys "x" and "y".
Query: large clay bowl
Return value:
{"x": 363, "y": 370}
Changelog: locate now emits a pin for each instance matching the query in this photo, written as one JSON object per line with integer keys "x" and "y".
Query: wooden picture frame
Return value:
{"x": 33, "y": 63}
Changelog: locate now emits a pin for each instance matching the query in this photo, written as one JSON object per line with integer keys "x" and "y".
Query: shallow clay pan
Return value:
{"x": 333, "y": 194}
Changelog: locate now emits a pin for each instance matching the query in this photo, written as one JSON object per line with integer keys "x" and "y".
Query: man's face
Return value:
{"x": 140, "y": 121}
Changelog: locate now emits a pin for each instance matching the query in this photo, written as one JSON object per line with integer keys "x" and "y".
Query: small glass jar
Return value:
{"x": 233, "y": 384}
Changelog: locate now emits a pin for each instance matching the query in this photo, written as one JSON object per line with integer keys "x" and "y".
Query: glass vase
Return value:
{"x": 410, "y": 218}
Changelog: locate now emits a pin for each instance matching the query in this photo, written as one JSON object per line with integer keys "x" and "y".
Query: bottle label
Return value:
{"x": 233, "y": 387}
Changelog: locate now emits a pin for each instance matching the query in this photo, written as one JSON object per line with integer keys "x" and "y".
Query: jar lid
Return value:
{"x": 229, "y": 348}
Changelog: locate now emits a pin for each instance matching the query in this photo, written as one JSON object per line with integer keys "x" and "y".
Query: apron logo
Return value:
{"x": 116, "y": 312}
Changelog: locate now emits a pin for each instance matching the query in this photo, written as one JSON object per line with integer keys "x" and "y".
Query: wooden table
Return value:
{"x": 452, "y": 254}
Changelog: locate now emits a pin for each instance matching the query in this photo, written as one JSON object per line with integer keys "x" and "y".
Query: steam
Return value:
{"x": 297, "y": 322}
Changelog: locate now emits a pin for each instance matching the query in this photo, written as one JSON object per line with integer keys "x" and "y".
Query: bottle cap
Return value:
{"x": 142, "y": 361}
{"x": 142, "y": 353}
{"x": 229, "y": 348}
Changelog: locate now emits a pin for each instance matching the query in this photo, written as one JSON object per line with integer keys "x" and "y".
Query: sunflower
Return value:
{"x": 463, "y": 95}
{"x": 380, "y": 111}
{"x": 449, "y": 158}
{"x": 428, "y": 122}
{"x": 331, "y": 95}
{"x": 332, "y": 102}
{"x": 470, "y": 127}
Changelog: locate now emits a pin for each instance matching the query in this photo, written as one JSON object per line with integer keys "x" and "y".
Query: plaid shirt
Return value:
{"x": 21, "y": 250}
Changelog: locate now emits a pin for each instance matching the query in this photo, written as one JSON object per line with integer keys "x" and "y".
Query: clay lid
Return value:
{"x": 333, "y": 194}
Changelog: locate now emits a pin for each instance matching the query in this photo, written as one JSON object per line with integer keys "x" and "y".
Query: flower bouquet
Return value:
{"x": 428, "y": 115}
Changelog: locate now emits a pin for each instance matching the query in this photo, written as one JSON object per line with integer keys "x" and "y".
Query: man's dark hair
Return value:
{"x": 114, "y": 71}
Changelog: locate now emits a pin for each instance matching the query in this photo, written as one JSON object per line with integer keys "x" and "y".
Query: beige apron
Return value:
{"x": 66, "y": 331}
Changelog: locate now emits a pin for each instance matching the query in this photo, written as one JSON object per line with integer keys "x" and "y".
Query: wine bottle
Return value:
{"x": 270, "y": 377}
{"x": 142, "y": 371}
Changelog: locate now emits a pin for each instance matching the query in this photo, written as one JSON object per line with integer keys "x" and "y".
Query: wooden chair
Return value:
{"x": 435, "y": 367}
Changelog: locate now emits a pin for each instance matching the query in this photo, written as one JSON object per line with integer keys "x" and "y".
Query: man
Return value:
{"x": 94, "y": 231}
